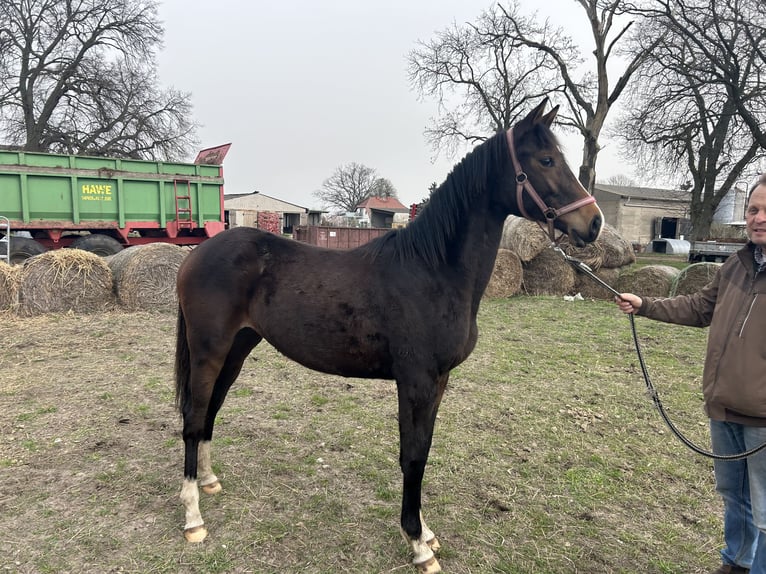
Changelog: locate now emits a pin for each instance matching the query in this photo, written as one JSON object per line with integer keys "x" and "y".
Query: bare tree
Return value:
{"x": 351, "y": 184}
{"x": 80, "y": 77}
{"x": 590, "y": 97}
{"x": 621, "y": 180}
{"x": 505, "y": 59}
{"x": 684, "y": 118}
{"x": 481, "y": 77}
{"x": 382, "y": 187}
{"x": 729, "y": 38}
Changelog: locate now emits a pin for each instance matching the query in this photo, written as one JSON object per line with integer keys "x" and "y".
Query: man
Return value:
{"x": 733, "y": 383}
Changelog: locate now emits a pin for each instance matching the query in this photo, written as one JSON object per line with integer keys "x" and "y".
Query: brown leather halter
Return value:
{"x": 522, "y": 183}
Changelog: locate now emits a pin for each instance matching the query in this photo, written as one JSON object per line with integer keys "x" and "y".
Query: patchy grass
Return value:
{"x": 547, "y": 456}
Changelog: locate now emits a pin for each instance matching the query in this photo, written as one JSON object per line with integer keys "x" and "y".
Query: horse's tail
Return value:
{"x": 182, "y": 370}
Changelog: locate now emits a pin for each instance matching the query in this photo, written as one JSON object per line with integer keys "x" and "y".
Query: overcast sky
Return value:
{"x": 302, "y": 87}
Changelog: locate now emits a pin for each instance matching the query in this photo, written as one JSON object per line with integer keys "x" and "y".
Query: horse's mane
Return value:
{"x": 429, "y": 234}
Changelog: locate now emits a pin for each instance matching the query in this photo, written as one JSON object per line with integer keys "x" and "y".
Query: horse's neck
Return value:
{"x": 478, "y": 248}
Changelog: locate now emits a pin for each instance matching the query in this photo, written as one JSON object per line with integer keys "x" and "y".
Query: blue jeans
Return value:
{"x": 742, "y": 485}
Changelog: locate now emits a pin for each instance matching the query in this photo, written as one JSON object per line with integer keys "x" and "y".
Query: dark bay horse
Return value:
{"x": 401, "y": 307}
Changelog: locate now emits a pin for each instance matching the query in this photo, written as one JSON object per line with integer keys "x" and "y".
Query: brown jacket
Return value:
{"x": 734, "y": 306}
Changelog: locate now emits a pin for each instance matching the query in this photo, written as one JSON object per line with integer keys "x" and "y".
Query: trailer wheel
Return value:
{"x": 22, "y": 248}
{"x": 97, "y": 243}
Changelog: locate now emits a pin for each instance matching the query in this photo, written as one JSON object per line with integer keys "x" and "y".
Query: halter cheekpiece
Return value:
{"x": 523, "y": 183}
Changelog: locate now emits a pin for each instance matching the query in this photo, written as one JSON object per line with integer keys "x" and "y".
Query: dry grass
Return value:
{"x": 524, "y": 237}
{"x": 590, "y": 289}
{"x": 548, "y": 274}
{"x": 693, "y": 278}
{"x": 547, "y": 456}
{"x": 65, "y": 280}
{"x": 648, "y": 281}
{"x": 145, "y": 276}
{"x": 10, "y": 276}
{"x": 617, "y": 251}
{"x": 506, "y": 276}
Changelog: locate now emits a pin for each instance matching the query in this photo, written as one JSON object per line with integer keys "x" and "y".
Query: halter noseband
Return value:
{"x": 522, "y": 183}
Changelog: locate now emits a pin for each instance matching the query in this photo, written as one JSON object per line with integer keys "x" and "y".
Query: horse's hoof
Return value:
{"x": 196, "y": 534}
{"x": 433, "y": 544}
{"x": 430, "y": 566}
{"x": 212, "y": 488}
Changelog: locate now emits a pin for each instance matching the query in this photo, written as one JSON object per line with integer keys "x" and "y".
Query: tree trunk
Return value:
{"x": 587, "y": 175}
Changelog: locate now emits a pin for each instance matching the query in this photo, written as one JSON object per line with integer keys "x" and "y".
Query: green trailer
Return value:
{"x": 104, "y": 204}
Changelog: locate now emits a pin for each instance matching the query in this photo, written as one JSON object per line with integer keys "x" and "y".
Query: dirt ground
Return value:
{"x": 91, "y": 462}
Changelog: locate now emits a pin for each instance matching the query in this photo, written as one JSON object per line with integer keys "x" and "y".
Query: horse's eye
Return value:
{"x": 547, "y": 162}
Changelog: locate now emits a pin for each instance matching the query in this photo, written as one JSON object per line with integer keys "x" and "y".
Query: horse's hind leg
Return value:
{"x": 419, "y": 400}
{"x": 244, "y": 342}
{"x": 199, "y": 418}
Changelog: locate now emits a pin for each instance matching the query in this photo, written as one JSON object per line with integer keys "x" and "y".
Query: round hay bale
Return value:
{"x": 589, "y": 289}
{"x": 10, "y": 275}
{"x": 506, "y": 276}
{"x": 525, "y": 238}
{"x": 64, "y": 280}
{"x": 617, "y": 251}
{"x": 694, "y": 277}
{"x": 592, "y": 254}
{"x": 145, "y": 276}
{"x": 548, "y": 274}
{"x": 648, "y": 281}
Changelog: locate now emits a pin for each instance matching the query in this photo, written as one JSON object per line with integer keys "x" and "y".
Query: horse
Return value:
{"x": 400, "y": 307}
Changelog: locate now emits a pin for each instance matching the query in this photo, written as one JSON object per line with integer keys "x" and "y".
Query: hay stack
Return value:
{"x": 648, "y": 281}
{"x": 145, "y": 276}
{"x": 548, "y": 274}
{"x": 10, "y": 275}
{"x": 589, "y": 289}
{"x": 65, "y": 280}
{"x": 694, "y": 277}
{"x": 506, "y": 276}
{"x": 525, "y": 238}
{"x": 617, "y": 251}
{"x": 592, "y": 254}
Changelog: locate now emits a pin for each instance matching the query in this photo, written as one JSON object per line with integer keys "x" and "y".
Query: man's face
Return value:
{"x": 755, "y": 216}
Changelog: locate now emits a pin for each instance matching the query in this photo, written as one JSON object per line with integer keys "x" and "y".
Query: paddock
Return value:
{"x": 547, "y": 456}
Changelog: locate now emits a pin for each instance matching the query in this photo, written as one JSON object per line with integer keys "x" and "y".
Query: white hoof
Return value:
{"x": 196, "y": 534}
{"x": 430, "y": 566}
{"x": 212, "y": 488}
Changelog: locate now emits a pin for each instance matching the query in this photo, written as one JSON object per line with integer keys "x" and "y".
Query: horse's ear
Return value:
{"x": 548, "y": 118}
{"x": 535, "y": 116}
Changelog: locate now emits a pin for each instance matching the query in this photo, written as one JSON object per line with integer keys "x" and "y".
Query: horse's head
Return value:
{"x": 546, "y": 189}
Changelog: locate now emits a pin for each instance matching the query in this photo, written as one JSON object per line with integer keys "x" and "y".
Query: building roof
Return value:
{"x": 257, "y": 201}
{"x": 644, "y": 192}
{"x": 390, "y": 204}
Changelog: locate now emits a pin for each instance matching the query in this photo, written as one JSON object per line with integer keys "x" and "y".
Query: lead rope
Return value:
{"x": 580, "y": 266}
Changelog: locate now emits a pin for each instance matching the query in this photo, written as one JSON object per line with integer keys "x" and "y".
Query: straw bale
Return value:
{"x": 10, "y": 275}
{"x": 592, "y": 254}
{"x": 145, "y": 276}
{"x": 525, "y": 238}
{"x": 506, "y": 276}
{"x": 694, "y": 277}
{"x": 65, "y": 280}
{"x": 589, "y": 289}
{"x": 648, "y": 281}
{"x": 618, "y": 252}
{"x": 548, "y": 274}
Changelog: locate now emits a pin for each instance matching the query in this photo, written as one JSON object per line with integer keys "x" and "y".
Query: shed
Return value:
{"x": 382, "y": 212}
{"x": 242, "y": 210}
{"x": 641, "y": 214}
{"x": 668, "y": 245}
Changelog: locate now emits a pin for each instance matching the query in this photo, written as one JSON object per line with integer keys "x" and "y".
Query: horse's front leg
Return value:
{"x": 418, "y": 404}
